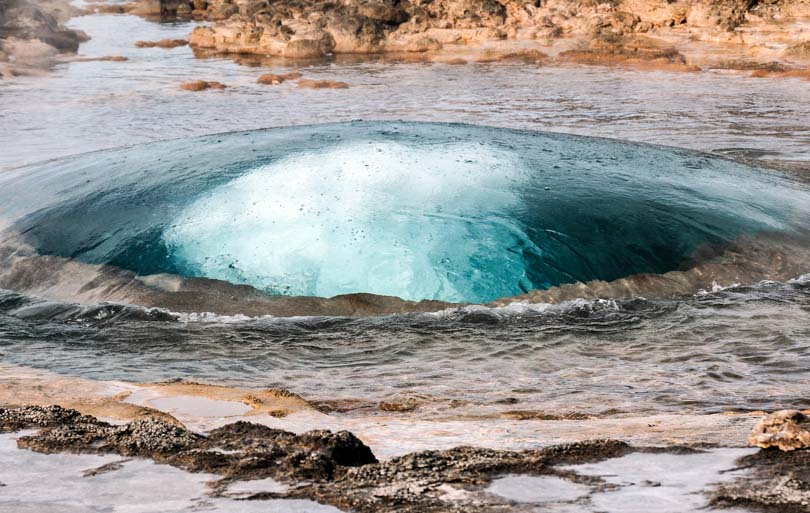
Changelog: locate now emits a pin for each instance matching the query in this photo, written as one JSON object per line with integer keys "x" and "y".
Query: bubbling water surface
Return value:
{"x": 447, "y": 212}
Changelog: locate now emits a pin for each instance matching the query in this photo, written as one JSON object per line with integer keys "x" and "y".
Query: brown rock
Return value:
{"x": 423, "y": 44}
{"x": 788, "y": 73}
{"x": 331, "y": 468}
{"x": 800, "y": 51}
{"x": 610, "y": 31}
{"x": 106, "y": 58}
{"x": 639, "y": 52}
{"x": 786, "y": 429}
{"x": 528, "y": 56}
{"x": 272, "y": 79}
{"x": 541, "y": 415}
{"x": 322, "y": 84}
{"x": 163, "y": 43}
{"x": 201, "y": 85}
{"x": 308, "y": 48}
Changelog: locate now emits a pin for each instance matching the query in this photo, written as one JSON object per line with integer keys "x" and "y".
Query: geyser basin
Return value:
{"x": 415, "y": 210}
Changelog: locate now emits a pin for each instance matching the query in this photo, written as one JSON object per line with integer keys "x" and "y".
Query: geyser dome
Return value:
{"x": 414, "y": 210}
{"x": 374, "y": 216}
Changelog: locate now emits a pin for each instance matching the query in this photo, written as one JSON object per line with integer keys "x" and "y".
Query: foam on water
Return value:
{"x": 415, "y": 210}
{"x": 363, "y": 217}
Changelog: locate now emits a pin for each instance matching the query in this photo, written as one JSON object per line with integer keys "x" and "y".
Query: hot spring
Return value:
{"x": 446, "y": 212}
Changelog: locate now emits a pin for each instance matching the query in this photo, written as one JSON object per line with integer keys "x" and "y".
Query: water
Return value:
{"x": 666, "y": 483}
{"x": 740, "y": 348}
{"x": 92, "y": 105}
{"x": 76, "y": 485}
{"x": 734, "y": 350}
{"x": 419, "y": 211}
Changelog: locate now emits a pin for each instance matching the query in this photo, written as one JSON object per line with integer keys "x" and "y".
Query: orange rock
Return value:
{"x": 107, "y": 58}
{"x": 322, "y": 84}
{"x": 163, "y": 43}
{"x": 271, "y": 79}
{"x": 786, "y": 429}
{"x": 791, "y": 73}
{"x": 107, "y": 9}
{"x": 201, "y": 85}
{"x": 527, "y": 56}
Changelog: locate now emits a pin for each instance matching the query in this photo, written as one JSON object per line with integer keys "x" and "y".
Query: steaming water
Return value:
{"x": 745, "y": 347}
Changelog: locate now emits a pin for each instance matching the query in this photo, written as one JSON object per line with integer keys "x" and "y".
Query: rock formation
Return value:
{"x": 32, "y": 35}
{"x": 163, "y": 43}
{"x": 332, "y": 468}
{"x": 202, "y": 85}
{"x": 778, "y": 477}
{"x": 786, "y": 429}
{"x": 578, "y": 30}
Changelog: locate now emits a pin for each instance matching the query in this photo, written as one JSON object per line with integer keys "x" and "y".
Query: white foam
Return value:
{"x": 376, "y": 217}
{"x": 523, "y": 308}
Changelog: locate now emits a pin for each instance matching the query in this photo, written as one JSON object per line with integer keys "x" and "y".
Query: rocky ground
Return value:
{"x": 339, "y": 469}
{"x": 767, "y": 37}
{"x": 780, "y": 481}
{"x": 202, "y": 429}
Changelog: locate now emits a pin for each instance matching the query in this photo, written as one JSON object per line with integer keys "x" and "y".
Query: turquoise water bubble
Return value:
{"x": 415, "y": 210}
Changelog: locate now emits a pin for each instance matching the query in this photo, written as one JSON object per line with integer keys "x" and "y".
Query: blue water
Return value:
{"x": 415, "y": 210}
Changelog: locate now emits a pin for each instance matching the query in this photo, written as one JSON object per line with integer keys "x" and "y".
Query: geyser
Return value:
{"x": 414, "y": 210}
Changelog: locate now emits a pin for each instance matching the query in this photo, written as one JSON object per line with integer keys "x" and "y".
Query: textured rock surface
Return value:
{"x": 780, "y": 483}
{"x": 441, "y": 481}
{"x": 163, "y": 43}
{"x": 332, "y": 468}
{"x": 202, "y": 85}
{"x": 787, "y": 430}
{"x": 239, "y": 450}
{"x": 584, "y": 29}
